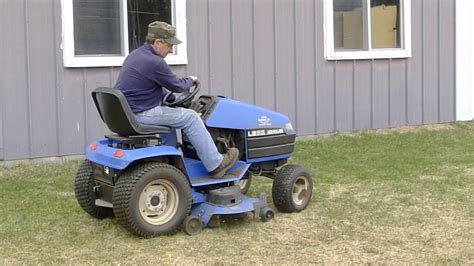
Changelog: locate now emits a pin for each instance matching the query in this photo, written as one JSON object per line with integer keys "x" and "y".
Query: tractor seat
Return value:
{"x": 116, "y": 113}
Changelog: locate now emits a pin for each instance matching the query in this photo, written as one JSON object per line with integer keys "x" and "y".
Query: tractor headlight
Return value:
{"x": 289, "y": 128}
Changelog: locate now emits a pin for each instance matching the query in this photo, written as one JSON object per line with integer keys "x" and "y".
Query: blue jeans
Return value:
{"x": 191, "y": 124}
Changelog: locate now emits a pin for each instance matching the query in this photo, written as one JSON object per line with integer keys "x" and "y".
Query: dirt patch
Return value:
{"x": 469, "y": 171}
{"x": 65, "y": 194}
{"x": 8, "y": 171}
{"x": 338, "y": 190}
{"x": 445, "y": 237}
{"x": 415, "y": 129}
{"x": 433, "y": 177}
{"x": 465, "y": 170}
{"x": 386, "y": 131}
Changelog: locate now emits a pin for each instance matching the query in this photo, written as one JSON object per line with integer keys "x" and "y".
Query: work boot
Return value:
{"x": 230, "y": 157}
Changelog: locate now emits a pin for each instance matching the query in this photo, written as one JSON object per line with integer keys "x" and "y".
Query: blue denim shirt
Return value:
{"x": 143, "y": 76}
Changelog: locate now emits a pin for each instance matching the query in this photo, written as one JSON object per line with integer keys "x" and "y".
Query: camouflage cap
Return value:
{"x": 164, "y": 31}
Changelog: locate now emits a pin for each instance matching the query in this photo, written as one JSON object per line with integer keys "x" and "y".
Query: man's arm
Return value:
{"x": 166, "y": 78}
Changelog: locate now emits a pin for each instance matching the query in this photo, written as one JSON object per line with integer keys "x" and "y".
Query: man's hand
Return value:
{"x": 194, "y": 78}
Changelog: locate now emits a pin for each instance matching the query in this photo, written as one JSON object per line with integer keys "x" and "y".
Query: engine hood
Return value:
{"x": 233, "y": 114}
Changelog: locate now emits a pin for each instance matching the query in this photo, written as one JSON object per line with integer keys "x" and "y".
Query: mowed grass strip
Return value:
{"x": 402, "y": 195}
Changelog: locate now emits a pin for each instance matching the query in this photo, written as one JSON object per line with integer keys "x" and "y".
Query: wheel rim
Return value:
{"x": 158, "y": 202}
{"x": 269, "y": 215}
{"x": 193, "y": 225}
{"x": 300, "y": 190}
{"x": 242, "y": 183}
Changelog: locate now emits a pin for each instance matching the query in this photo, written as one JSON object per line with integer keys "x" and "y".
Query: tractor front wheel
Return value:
{"x": 292, "y": 188}
{"x": 152, "y": 199}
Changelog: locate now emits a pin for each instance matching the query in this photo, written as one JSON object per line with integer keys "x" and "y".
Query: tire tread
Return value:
{"x": 283, "y": 185}
{"x": 83, "y": 185}
{"x": 122, "y": 198}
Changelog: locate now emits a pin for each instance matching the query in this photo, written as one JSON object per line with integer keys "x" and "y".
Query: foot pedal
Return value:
{"x": 227, "y": 196}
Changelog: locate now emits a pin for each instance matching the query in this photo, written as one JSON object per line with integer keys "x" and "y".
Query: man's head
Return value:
{"x": 162, "y": 36}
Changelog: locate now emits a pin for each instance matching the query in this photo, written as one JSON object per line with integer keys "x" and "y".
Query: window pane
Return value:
{"x": 385, "y": 23}
{"x": 143, "y": 12}
{"x": 97, "y": 27}
{"x": 348, "y": 24}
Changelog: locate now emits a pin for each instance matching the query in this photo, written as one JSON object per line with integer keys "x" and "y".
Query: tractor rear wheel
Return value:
{"x": 292, "y": 189}
{"x": 152, "y": 199}
{"x": 84, "y": 184}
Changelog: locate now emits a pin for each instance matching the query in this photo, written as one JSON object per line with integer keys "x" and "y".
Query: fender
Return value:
{"x": 99, "y": 152}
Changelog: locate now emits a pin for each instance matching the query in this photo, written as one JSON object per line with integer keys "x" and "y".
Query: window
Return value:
{"x": 366, "y": 29}
{"x": 100, "y": 33}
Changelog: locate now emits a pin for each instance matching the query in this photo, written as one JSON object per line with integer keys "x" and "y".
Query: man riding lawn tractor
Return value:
{"x": 154, "y": 183}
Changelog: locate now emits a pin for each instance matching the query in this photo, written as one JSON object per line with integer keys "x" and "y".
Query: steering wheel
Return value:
{"x": 183, "y": 99}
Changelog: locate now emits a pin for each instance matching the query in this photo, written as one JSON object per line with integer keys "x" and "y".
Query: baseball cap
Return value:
{"x": 164, "y": 31}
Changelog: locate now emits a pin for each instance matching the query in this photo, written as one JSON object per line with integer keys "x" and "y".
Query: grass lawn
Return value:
{"x": 402, "y": 195}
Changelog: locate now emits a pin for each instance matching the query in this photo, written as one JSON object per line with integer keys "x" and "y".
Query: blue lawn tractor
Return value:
{"x": 151, "y": 180}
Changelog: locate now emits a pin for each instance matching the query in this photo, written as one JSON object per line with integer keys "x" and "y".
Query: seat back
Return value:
{"x": 118, "y": 116}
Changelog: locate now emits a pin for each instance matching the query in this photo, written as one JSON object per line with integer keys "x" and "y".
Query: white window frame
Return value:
{"x": 403, "y": 52}
{"x": 179, "y": 57}
{"x": 464, "y": 60}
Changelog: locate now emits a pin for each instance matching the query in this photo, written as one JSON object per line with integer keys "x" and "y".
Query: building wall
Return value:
{"x": 265, "y": 52}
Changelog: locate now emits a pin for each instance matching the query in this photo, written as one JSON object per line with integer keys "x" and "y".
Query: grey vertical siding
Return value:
{"x": 265, "y": 52}
{"x": 415, "y": 78}
{"x": 198, "y": 42}
{"x": 447, "y": 63}
{"x": 285, "y": 38}
{"x": 2, "y": 81}
{"x": 362, "y": 94}
{"x": 305, "y": 68}
{"x": 16, "y": 86}
{"x": 397, "y": 93}
{"x": 343, "y": 95}
{"x": 41, "y": 79}
{"x": 430, "y": 62}
{"x": 220, "y": 44}
{"x": 242, "y": 66}
{"x": 380, "y": 95}
{"x": 325, "y": 114}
